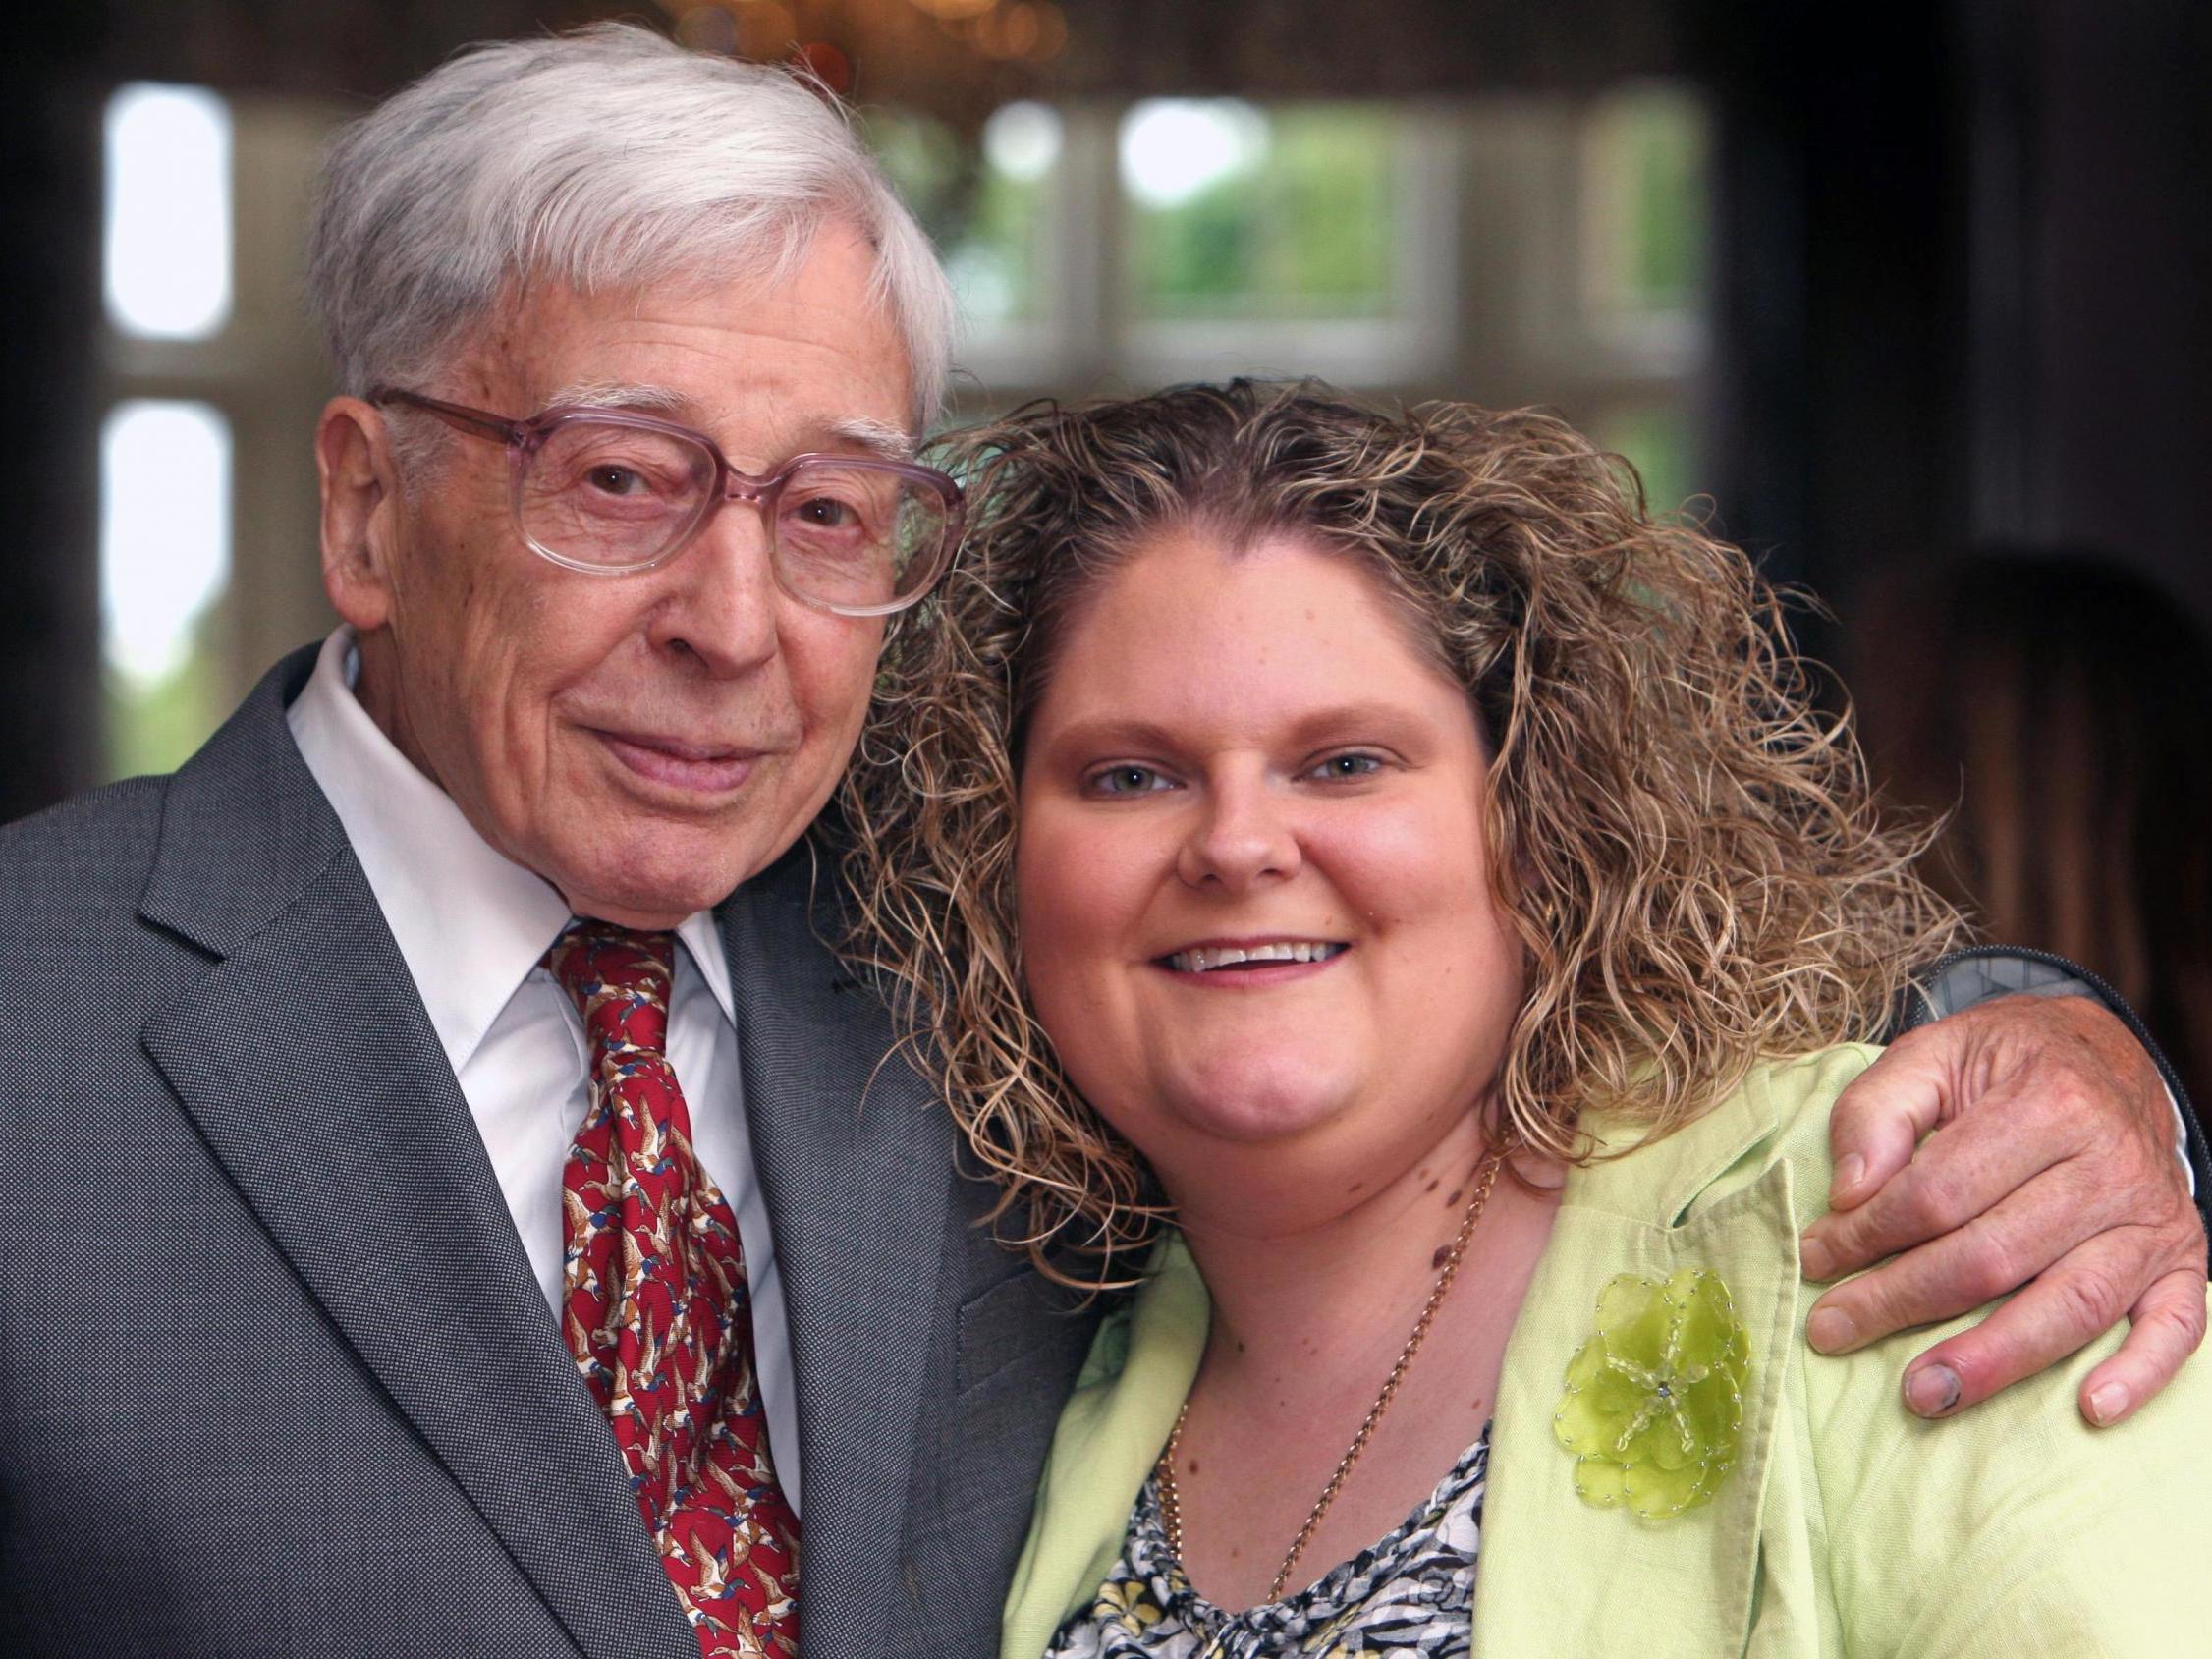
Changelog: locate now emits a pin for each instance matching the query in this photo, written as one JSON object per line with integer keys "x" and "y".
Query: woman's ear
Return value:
{"x": 360, "y": 507}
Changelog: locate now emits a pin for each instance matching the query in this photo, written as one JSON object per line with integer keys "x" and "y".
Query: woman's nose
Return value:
{"x": 1243, "y": 835}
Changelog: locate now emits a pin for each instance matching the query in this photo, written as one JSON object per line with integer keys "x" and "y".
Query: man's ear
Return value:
{"x": 360, "y": 511}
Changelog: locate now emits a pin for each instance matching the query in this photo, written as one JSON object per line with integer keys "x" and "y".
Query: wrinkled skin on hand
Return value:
{"x": 2024, "y": 1141}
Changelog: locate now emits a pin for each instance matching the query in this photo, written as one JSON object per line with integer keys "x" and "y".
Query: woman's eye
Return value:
{"x": 1341, "y": 766}
{"x": 1127, "y": 779}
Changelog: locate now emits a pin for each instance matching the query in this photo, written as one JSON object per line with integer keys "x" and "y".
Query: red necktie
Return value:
{"x": 657, "y": 1311}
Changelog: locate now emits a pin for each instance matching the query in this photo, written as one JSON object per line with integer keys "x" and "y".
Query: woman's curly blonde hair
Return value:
{"x": 1687, "y": 846}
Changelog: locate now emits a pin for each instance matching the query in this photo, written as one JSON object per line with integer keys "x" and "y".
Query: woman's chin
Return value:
{"x": 1246, "y": 1110}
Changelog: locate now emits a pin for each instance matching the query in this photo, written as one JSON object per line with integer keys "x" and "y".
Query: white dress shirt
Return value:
{"x": 472, "y": 927}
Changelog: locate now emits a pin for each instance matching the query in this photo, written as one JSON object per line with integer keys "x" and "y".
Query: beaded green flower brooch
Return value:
{"x": 1654, "y": 1400}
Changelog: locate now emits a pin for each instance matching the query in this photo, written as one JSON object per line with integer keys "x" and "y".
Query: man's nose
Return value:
{"x": 723, "y": 605}
{"x": 1244, "y": 834}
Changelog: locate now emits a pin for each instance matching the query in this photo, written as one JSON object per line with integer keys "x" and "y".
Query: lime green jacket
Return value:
{"x": 1846, "y": 1526}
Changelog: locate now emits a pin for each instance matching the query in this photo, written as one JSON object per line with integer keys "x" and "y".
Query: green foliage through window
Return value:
{"x": 1658, "y": 441}
{"x": 1233, "y": 210}
{"x": 1646, "y": 216}
{"x": 980, "y": 197}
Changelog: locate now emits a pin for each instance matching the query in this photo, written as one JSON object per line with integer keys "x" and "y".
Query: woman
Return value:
{"x": 1433, "y": 891}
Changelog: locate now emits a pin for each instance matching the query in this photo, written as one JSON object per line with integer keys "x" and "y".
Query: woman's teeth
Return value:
{"x": 1205, "y": 960}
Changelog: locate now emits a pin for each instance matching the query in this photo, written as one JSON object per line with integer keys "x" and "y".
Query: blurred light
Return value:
{"x": 165, "y": 529}
{"x": 708, "y": 29}
{"x": 1010, "y": 33}
{"x": 1052, "y": 33}
{"x": 1023, "y": 141}
{"x": 766, "y": 29}
{"x": 1172, "y": 148}
{"x": 827, "y": 64}
{"x": 951, "y": 9}
{"x": 168, "y": 235}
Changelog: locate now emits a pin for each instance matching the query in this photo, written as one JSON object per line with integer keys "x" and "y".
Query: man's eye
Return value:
{"x": 611, "y": 479}
{"x": 826, "y": 512}
{"x": 1341, "y": 766}
{"x": 1127, "y": 779}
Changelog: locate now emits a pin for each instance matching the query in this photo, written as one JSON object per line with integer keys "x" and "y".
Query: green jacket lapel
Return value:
{"x": 1555, "y": 1577}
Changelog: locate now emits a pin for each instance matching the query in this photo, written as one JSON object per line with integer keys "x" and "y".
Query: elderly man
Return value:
{"x": 454, "y": 1203}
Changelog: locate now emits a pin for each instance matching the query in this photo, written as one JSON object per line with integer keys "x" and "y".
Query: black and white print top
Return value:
{"x": 1412, "y": 1593}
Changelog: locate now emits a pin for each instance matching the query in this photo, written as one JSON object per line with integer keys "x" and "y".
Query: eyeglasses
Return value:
{"x": 606, "y": 491}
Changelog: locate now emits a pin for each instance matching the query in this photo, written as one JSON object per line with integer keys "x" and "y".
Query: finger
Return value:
{"x": 1959, "y": 1172}
{"x": 1960, "y": 1270}
{"x": 2163, "y": 1329}
{"x": 1881, "y": 1116}
{"x": 2068, "y": 1307}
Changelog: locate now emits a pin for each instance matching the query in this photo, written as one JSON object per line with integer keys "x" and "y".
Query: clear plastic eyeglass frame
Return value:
{"x": 526, "y": 439}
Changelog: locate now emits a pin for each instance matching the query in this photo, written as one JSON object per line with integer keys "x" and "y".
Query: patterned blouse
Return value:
{"x": 1412, "y": 1593}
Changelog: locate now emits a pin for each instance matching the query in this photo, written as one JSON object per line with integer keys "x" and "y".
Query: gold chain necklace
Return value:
{"x": 1171, "y": 1503}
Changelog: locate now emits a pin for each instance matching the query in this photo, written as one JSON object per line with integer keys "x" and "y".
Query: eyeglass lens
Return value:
{"x": 614, "y": 496}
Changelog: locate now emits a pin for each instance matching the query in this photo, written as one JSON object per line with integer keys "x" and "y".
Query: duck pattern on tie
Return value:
{"x": 657, "y": 1312}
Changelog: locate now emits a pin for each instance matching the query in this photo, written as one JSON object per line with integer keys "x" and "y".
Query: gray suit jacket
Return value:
{"x": 275, "y": 1377}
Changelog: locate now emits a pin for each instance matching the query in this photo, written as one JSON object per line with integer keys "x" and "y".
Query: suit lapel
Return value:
{"x": 1559, "y": 1576}
{"x": 308, "y": 1061}
{"x": 855, "y": 1161}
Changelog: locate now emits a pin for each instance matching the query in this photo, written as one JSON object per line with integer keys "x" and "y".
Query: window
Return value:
{"x": 1645, "y": 242}
{"x": 984, "y": 204}
{"x": 1643, "y": 205}
{"x": 1285, "y": 238}
{"x": 165, "y": 463}
{"x": 165, "y": 552}
{"x": 1235, "y": 212}
{"x": 1513, "y": 249}
{"x": 167, "y": 235}
{"x": 212, "y": 378}
{"x": 1660, "y": 441}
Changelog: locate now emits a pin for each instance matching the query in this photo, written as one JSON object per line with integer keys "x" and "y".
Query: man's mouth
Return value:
{"x": 1211, "y": 959}
{"x": 705, "y": 768}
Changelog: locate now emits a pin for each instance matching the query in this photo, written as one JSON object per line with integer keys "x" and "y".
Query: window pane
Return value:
{"x": 1236, "y": 211}
{"x": 1659, "y": 441}
{"x": 982, "y": 202}
{"x": 168, "y": 231}
{"x": 1645, "y": 209}
{"x": 165, "y": 553}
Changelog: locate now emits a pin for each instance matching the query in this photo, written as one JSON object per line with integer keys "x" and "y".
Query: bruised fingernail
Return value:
{"x": 1931, "y": 1391}
{"x": 1815, "y": 1261}
{"x": 1850, "y": 1172}
{"x": 2107, "y": 1401}
{"x": 1829, "y": 1330}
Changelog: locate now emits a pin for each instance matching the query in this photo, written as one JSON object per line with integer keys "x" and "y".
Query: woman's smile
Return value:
{"x": 1252, "y": 961}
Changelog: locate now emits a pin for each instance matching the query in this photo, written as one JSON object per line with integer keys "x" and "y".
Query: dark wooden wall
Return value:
{"x": 49, "y": 310}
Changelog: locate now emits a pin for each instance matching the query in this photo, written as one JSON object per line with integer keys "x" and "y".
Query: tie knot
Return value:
{"x": 618, "y": 980}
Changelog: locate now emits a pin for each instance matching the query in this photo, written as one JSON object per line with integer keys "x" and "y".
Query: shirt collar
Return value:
{"x": 469, "y": 922}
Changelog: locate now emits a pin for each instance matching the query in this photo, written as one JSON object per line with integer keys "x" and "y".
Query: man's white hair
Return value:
{"x": 604, "y": 159}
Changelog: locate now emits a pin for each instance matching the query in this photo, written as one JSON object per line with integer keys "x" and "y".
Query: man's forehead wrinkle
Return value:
{"x": 765, "y": 371}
